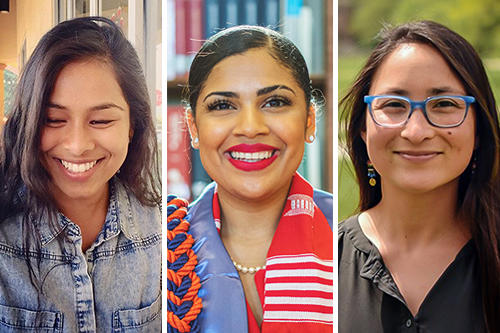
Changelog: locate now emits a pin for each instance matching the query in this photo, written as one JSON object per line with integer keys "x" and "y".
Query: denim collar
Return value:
{"x": 119, "y": 218}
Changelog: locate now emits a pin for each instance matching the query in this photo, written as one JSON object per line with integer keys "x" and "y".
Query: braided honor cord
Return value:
{"x": 183, "y": 284}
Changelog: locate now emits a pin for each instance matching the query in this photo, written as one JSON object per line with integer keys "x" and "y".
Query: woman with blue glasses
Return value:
{"x": 423, "y": 135}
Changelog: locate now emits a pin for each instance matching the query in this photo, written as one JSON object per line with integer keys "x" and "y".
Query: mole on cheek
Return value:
{"x": 449, "y": 132}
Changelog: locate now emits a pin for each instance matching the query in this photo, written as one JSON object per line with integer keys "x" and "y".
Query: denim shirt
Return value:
{"x": 112, "y": 287}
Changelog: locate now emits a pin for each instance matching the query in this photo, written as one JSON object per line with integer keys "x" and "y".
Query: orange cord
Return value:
{"x": 187, "y": 322}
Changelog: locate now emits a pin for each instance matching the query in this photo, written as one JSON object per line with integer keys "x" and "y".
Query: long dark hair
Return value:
{"x": 237, "y": 40}
{"x": 24, "y": 182}
{"x": 479, "y": 192}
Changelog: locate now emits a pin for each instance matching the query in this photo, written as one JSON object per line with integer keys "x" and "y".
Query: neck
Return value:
{"x": 248, "y": 226}
{"x": 250, "y": 219}
{"x": 87, "y": 213}
{"x": 414, "y": 219}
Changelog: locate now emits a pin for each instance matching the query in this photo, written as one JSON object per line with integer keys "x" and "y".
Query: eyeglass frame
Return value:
{"x": 368, "y": 99}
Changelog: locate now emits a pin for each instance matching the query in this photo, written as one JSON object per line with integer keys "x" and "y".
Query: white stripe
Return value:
{"x": 299, "y": 286}
{"x": 271, "y": 273}
{"x": 298, "y": 316}
{"x": 298, "y": 259}
{"x": 300, "y": 301}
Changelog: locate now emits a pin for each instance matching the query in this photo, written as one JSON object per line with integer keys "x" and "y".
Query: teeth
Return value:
{"x": 78, "y": 168}
{"x": 251, "y": 157}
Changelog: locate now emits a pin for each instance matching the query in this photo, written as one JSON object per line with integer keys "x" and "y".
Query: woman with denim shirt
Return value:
{"x": 80, "y": 228}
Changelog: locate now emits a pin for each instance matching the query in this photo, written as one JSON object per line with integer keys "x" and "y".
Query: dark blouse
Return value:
{"x": 370, "y": 301}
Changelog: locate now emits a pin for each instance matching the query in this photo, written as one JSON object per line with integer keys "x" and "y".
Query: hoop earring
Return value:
{"x": 371, "y": 174}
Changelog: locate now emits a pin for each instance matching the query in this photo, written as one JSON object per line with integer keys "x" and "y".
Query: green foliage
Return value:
{"x": 348, "y": 68}
{"x": 478, "y": 21}
{"x": 348, "y": 189}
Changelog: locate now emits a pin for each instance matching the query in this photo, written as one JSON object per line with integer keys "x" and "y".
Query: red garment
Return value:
{"x": 296, "y": 288}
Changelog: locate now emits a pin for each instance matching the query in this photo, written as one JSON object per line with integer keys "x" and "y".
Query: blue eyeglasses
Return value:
{"x": 440, "y": 111}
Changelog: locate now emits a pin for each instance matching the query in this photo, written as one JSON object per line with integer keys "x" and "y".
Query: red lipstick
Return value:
{"x": 251, "y": 164}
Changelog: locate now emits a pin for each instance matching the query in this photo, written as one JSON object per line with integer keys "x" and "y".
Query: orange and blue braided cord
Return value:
{"x": 183, "y": 284}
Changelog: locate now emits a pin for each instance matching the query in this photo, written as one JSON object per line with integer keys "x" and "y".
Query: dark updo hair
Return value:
{"x": 238, "y": 40}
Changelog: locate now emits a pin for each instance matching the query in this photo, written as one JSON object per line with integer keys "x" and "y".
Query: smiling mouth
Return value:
{"x": 78, "y": 168}
{"x": 417, "y": 154}
{"x": 252, "y": 157}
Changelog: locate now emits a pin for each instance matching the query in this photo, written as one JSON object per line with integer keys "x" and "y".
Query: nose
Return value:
{"x": 78, "y": 139}
{"x": 250, "y": 122}
{"x": 417, "y": 129}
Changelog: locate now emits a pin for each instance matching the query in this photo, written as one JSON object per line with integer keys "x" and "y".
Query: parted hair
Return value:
{"x": 81, "y": 39}
{"x": 479, "y": 197}
{"x": 25, "y": 185}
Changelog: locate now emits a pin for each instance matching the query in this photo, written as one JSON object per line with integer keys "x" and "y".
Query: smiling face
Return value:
{"x": 418, "y": 157}
{"x": 251, "y": 122}
{"x": 85, "y": 139}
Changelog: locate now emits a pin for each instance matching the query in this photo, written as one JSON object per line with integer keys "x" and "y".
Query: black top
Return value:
{"x": 370, "y": 301}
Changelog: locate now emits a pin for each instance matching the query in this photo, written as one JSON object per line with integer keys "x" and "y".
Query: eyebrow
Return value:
{"x": 103, "y": 106}
{"x": 260, "y": 92}
{"x": 431, "y": 92}
{"x": 267, "y": 90}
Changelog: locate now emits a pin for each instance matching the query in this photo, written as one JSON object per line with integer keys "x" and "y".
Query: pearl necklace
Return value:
{"x": 244, "y": 269}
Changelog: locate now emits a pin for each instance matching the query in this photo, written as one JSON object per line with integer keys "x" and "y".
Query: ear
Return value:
{"x": 130, "y": 134}
{"x": 193, "y": 130}
{"x": 363, "y": 136}
{"x": 311, "y": 123}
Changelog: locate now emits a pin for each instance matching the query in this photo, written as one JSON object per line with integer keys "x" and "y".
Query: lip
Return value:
{"x": 417, "y": 156}
{"x": 77, "y": 176}
{"x": 251, "y": 148}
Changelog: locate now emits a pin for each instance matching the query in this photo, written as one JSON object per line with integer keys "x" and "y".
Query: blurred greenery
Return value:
{"x": 478, "y": 21}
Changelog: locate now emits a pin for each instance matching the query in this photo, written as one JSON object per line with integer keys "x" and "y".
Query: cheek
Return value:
{"x": 117, "y": 142}
{"x": 376, "y": 139}
{"x": 47, "y": 140}
{"x": 212, "y": 133}
{"x": 292, "y": 128}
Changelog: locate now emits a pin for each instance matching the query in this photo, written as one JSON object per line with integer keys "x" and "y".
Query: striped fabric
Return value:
{"x": 297, "y": 291}
{"x": 299, "y": 288}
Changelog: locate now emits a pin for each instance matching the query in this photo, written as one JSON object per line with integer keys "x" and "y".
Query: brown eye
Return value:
{"x": 277, "y": 102}
{"x": 220, "y": 105}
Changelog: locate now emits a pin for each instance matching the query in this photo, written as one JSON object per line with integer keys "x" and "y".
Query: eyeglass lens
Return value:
{"x": 393, "y": 111}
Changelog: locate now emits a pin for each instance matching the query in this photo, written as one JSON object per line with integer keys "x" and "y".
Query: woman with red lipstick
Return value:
{"x": 262, "y": 235}
{"x": 80, "y": 228}
{"x": 423, "y": 135}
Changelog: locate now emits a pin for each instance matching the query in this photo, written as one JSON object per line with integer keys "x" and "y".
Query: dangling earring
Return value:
{"x": 474, "y": 164}
{"x": 371, "y": 174}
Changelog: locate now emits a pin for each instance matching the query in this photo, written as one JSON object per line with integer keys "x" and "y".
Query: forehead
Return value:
{"x": 80, "y": 80}
{"x": 255, "y": 67}
{"x": 415, "y": 68}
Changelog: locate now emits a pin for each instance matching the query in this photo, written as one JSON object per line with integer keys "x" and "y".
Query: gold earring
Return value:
{"x": 371, "y": 174}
